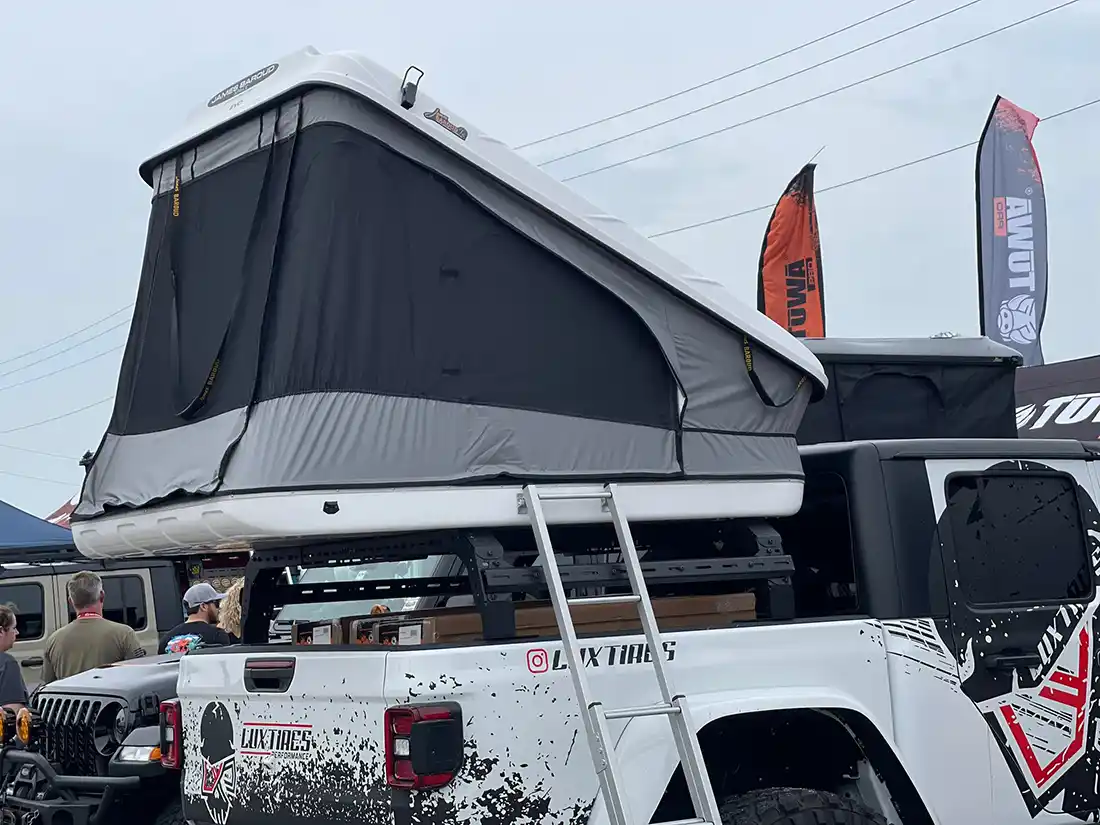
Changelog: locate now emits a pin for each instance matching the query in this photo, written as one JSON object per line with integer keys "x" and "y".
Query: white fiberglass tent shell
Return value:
{"x": 342, "y": 292}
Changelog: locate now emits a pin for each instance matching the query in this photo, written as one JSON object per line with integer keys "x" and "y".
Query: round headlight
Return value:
{"x": 121, "y": 726}
{"x": 25, "y": 727}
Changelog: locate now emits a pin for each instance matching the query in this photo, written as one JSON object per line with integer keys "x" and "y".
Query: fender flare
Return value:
{"x": 647, "y": 758}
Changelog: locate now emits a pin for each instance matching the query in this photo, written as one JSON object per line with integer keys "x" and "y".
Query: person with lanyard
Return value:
{"x": 200, "y": 628}
{"x": 89, "y": 641}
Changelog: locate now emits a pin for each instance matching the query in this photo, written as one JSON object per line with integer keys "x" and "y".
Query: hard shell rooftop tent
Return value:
{"x": 347, "y": 286}
{"x": 913, "y": 388}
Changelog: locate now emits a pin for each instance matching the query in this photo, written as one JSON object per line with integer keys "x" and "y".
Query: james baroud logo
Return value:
{"x": 288, "y": 741}
{"x": 242, "y": 85}
{"x": 460, "y": 132}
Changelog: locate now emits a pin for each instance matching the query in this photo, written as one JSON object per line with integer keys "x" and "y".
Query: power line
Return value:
{"x": 821, "y": 96}
{"x": 724, "y": 100}
{"x": 861, "y": 178}
{"x": 36, "y": 477}
{"x": 60, "y": 370}
{"x": 712, "y": 81}
{"x": 69, "y": 348}
{"x": 37, "y": 452}
{"x": 58, "y": 417}
{"x": 66, "y": 337}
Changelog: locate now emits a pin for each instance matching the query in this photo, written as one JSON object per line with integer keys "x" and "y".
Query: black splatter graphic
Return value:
{"x": 343, "y": 781}
{"x": 975, "y": 634}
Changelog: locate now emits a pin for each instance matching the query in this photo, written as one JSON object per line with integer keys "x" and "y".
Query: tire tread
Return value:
{"x": 796, "y": 806}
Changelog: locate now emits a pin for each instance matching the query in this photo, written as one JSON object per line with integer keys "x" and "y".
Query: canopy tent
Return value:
{"x": 22, "y": 531}
{"x": 1060, "y": 400}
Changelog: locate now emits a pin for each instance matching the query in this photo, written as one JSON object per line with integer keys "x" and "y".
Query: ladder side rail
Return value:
{"x": 599, "y": 736}
{"x": 639, "y": 588}
{"x": 684, "y": 733}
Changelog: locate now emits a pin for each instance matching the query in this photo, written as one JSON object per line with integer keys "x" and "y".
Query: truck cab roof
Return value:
{"x": 912, "y": 448}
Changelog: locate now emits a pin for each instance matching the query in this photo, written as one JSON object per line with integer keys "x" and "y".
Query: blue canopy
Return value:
{"x": 22, "y": 531}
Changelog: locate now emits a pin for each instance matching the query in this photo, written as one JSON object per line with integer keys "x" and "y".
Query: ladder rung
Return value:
{"x": 563, "y": 495}
{"x": 629, "y": 598}
{"x": 693, "y": 821}
{"x": 644, "y": 710}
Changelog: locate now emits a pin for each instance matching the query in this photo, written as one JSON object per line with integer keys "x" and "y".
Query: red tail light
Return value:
{"x": 171, "y": 735}
{"x": 423, "y": 745}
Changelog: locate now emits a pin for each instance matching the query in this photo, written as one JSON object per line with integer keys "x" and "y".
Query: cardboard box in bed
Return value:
{"x": 537, "y": 619}
{"x": 318, "y": 633}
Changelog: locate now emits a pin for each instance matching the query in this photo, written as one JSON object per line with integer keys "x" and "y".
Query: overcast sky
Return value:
{"x": 89, "y": 90}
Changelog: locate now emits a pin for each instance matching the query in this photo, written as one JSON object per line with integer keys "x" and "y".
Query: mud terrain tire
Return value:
{"x": 171, "y": 814}
{"x": 796, "y": 806}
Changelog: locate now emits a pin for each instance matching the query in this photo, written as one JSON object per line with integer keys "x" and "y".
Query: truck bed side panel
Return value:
{"x": 527, "y": 760}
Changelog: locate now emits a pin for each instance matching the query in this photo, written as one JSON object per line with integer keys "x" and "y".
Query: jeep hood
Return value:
{"x": 147, "y": 674}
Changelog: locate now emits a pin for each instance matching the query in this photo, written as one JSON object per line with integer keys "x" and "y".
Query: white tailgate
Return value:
{"x": 311, "y": 752}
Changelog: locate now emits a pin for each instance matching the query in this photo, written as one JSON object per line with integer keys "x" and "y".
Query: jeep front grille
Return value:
{"x": 69, "y": 732}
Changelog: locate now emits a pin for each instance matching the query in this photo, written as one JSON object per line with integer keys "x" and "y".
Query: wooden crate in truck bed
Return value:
{"x": 533, "y": 620}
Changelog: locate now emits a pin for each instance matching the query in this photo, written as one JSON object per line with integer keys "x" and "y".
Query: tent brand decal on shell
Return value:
{"x": 460, "y": 132}
{"x": 242, "y": 85}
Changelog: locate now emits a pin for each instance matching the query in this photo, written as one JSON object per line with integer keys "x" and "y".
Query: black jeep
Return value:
{"x": 89, "y": 750}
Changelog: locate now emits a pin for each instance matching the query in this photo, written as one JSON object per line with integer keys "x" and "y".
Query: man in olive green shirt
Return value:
{"x": 89, "y": 641}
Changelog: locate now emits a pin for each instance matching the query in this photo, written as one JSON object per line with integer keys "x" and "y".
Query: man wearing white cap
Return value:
{"x": 200, "y": 602}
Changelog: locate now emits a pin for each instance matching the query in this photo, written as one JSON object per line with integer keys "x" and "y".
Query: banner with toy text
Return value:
{"x": 789, "y": 288}
{"x": 1060, "y": 400}
{"x": 1012, "y": 232}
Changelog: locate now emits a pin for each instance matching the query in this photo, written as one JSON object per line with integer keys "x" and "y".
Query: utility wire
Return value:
{"x": 36, "y": 478}
{"x": 823, "y": 95}
{"x": 712, "y": 81}
{"x": 57, "y": 417}
{"x": 36, "y": 452}
{"x": 860, "y": 179}
{"x": 724, "y": 100}
{"x": 60, "y": 370}
{"x": 69, "y": 348}
{"x": 66, "y": 337}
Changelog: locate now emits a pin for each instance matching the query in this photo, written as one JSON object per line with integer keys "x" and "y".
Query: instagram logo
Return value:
{"x": 537, "y": 660}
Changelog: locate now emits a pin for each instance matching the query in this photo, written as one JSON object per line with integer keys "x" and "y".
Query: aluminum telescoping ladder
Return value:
{"x": 594, "y": 714}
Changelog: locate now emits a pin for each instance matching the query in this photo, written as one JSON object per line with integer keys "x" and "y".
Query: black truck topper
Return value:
{"x": 901, "y": 388}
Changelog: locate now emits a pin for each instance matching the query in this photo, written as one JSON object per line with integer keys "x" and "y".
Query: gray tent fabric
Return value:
{"x": 328, "y": 298}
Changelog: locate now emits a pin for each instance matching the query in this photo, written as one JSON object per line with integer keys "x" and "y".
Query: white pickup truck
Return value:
{"x": 364, "y": 327}
{"x": 922, "y": 650}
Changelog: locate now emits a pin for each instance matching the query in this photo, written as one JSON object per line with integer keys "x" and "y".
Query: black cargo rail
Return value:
{"x": 477, "y": 565}
{"x": 613, "y": 574}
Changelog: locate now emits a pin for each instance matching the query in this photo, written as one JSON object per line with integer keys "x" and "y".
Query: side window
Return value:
{"x": 28, "y": 602}
{"x": 819, "y": 539}
{"x": 1018, "y": 538}
{"x": 123, "y": 601}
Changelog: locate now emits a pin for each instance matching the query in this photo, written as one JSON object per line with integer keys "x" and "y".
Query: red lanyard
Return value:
{"x": 90, "y": 614}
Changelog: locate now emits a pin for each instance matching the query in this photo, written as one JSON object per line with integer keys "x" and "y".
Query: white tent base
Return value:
{"x": 233, "y": 523}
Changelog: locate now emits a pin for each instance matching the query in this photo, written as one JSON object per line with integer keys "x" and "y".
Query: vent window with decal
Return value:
{"x": 998, "y": 522}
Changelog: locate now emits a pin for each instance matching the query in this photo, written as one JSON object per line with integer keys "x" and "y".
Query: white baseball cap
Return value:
{"x": 200, "y": 594}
